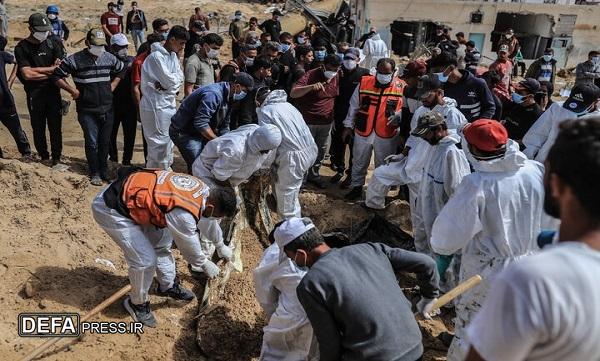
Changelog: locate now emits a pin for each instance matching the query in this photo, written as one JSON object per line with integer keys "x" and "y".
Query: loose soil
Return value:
{"x": 54, "y": 256}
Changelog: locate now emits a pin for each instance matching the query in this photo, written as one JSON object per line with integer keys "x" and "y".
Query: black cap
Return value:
{"x": 530, "y": 85}
{"x": 582, "y": 96}
{"x": 277, "y": 12}
{"x": 244, "y": 79}
{"x": 427, "y": 83}
{"x": 39, "y": 22}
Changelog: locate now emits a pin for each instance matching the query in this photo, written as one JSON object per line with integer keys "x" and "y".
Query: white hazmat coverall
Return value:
{"x": 374, "y": 49}
{"x": 445, "y": 168}
{"x": 147, "y": 249}
{"x": 233, "y": 157}
{"x": 236, "y": 155}
{"x": 409, "y": 171}
{"x": 295, "y": 155}
{"x": 494, "y": 216}
{"x": 288, "y": 336}
{"x": 541, "y": 136}
{"x": 158, "y": 105}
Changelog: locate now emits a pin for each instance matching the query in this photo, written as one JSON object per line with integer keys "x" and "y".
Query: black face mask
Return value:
{"x": 551, "y": 206}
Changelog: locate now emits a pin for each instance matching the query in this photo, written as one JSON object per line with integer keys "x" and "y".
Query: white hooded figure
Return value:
{"x": 230, "y": 160}
{"x": 161, "y": 79}
{"x": 541, "y": 136}
{"x": 443, "y": 170}
{"x": 295, "y": 155}
{"x": 408, "y": 170}
{"x": 374, "y": 49}
{"x": 233, "y": 157}
{"x": 494, "y": 216}
{"x": 288, "y": 335}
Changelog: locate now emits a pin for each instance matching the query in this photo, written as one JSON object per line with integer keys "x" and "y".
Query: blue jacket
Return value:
{"x": 205, "y": 107}
{"x": 473, "y": 96}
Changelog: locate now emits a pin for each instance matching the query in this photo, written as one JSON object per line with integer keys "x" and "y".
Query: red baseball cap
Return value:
{"x": 416, "y": 68}
{"x": 487, "y": 135}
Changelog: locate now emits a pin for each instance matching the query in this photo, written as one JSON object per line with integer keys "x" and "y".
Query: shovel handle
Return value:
{"x": 457, "y": 291}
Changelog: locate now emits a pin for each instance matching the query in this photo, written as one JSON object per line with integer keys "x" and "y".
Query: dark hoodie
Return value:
{"x": 474, "y": 98}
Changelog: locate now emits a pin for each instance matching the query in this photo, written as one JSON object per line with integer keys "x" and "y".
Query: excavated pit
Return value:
{"x": 230, "y": 320}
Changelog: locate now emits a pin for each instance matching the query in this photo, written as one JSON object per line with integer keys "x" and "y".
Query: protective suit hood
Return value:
{"x": 376, "y": 36}
{"x": 158, "y": 47}
{"x": 452, "y": 137}
{"x": 510, "y": 162}
{"x": 448, "y": 103}
{"x": 276, "y": 96}
{"x": 265, "y": 137}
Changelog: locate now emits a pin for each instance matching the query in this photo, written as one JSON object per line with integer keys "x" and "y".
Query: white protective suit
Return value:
{"x": 374, "y": 49}
{"x": 494, "y": 216}
{"x": 236, "y": 155}
{"x": 295, "y": 155}
{"x": 158, "y": 106}
{"x": 409, "y": 170}
{"x": 444, "y": 169}
{"x": 288, "y": 336}
{"x": 541, "y": 136}
{"x": 147, "y": 249}
{"x": 233, "y": 157}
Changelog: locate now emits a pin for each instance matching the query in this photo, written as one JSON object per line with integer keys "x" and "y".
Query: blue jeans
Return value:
{"x": 138, "y": 37}
{"x": 96, "y": 132}
{"x": 189, "y": 146}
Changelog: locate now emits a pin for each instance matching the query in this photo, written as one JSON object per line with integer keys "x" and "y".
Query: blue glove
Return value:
{"x": 442, "y": 263}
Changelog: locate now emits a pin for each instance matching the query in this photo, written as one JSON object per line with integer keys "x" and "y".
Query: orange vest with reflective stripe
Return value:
{"x": 376, "y": 105}
{"x": 150, "y": 194}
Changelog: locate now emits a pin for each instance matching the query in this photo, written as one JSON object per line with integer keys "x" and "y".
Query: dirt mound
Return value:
{"x": 232, "y": 329}
{"x": 50, "y": 247}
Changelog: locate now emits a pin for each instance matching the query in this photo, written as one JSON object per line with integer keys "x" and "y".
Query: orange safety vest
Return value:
{"x": 376, "y": 105}
{"x": 150, "y": 194}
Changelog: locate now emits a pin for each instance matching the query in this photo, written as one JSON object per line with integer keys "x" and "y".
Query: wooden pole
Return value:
{"x": 457, "y": 291}
{"x": 107, "y": 302}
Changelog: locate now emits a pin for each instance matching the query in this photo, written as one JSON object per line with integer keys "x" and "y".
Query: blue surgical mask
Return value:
{"x": 239, "y": 96}
{"x": 443, "y": 78}
{"x": 596, "y": 59}
{"x": 165, "y": 35}
{"x": 300, "y": 40}
{"x": 284, "y": 47}
{"x": 320, "y": 55}
{"x": 517, "y": 98}
{"x": 547, "y": 58}
{"x": 340, "y": 55}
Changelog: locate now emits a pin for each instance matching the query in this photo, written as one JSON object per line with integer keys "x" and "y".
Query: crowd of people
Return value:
{"x": 489, "y": 163}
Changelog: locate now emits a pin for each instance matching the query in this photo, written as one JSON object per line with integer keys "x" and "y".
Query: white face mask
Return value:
{"x": 384, "y": 78}
{"x": 40, "y": 35}
{"x": 508, "y": 36}
{"x": 52, "y": 16}
{"x": 213, "y": 54}
{"x": 349, "y": 64}
{"x": 96, "y": 50}
{"x": 329, "y": 74}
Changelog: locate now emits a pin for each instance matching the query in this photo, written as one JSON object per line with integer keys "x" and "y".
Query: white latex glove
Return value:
{"x": 393, "y": 158}
{"x": 425, "y": 306}
{"x": 211, "y": 269}
{"x": 225, "y": 252}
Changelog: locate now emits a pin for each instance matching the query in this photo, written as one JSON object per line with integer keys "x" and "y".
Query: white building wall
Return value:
{"x": 456, "y": 14}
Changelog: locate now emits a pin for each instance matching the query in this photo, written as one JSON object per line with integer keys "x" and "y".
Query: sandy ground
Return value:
{"x": 51, "y": 245}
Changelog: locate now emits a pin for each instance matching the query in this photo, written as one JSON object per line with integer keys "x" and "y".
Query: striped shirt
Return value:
{"x": 92, "y": 77}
